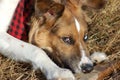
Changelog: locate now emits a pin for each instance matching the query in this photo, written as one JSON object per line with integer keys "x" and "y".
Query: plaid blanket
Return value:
{"x": 18, "y": 27}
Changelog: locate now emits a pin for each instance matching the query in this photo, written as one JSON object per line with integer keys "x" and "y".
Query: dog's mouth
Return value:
{"x": 72, "y": 65}
{"x": 76, "y": 66}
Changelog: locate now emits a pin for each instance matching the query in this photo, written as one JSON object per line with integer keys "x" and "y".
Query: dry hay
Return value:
{"x": 111, "y": 73}
{"x": 104, "y": 29}
{"x": 104, "y": 32}
{"x": 104, "y": 35}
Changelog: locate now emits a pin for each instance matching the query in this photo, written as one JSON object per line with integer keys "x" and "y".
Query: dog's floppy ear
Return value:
{"x": 50, "y": 10}
{"x": 46, "y": 14}
{"x": 44, "y": 6}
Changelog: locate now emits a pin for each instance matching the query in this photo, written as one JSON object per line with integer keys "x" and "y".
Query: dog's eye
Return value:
{"x": 68, "y": 40}
{"x": 85, "y": 37}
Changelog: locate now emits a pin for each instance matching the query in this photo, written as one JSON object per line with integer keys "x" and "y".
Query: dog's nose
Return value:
{"x": 86, "y": 68}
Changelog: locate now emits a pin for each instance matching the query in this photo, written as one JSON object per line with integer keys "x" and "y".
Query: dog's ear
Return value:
{"x": 41, "y": 6}
{"x": 46, "y": 14}
{"x": 50, "y": 11}
{"x": 48, "y": 6}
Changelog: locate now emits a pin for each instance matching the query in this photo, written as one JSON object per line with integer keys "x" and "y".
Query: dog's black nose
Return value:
{"x": 86, "y": 68}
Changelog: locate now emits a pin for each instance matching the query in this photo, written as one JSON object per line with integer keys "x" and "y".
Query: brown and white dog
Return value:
{"x": 57, "y": 29}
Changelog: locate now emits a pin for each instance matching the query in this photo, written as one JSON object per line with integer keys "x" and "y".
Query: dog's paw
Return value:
{"x": 98, "y": 57}
{"x": 61, "y": 74}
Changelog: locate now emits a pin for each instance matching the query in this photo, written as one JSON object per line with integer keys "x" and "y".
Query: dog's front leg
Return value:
{"x": 19, "y": 50}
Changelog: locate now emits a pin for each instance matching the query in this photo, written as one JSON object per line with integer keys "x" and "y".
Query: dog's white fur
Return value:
{"x": 22, "y": 51}
{"x": 84, "y": 58}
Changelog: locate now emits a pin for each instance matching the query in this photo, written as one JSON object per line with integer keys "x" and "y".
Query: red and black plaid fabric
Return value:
{"x": 18, "y": 27}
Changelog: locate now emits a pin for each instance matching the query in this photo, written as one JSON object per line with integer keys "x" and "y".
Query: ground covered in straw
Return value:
{"x": 104, "y": 35}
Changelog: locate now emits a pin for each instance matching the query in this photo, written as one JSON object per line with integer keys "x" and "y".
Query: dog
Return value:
{"x": 50, "y": 29}
{"x": 55, "y": 29}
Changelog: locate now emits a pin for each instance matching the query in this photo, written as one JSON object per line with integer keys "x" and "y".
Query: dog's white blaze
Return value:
{"x": 84, "y": 58}
{"x": 77, "y": 24}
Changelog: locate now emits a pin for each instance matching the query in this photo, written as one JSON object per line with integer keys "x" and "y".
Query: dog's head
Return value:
{"x": 93, "y": 3}
{"x": 56, "y": 30}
